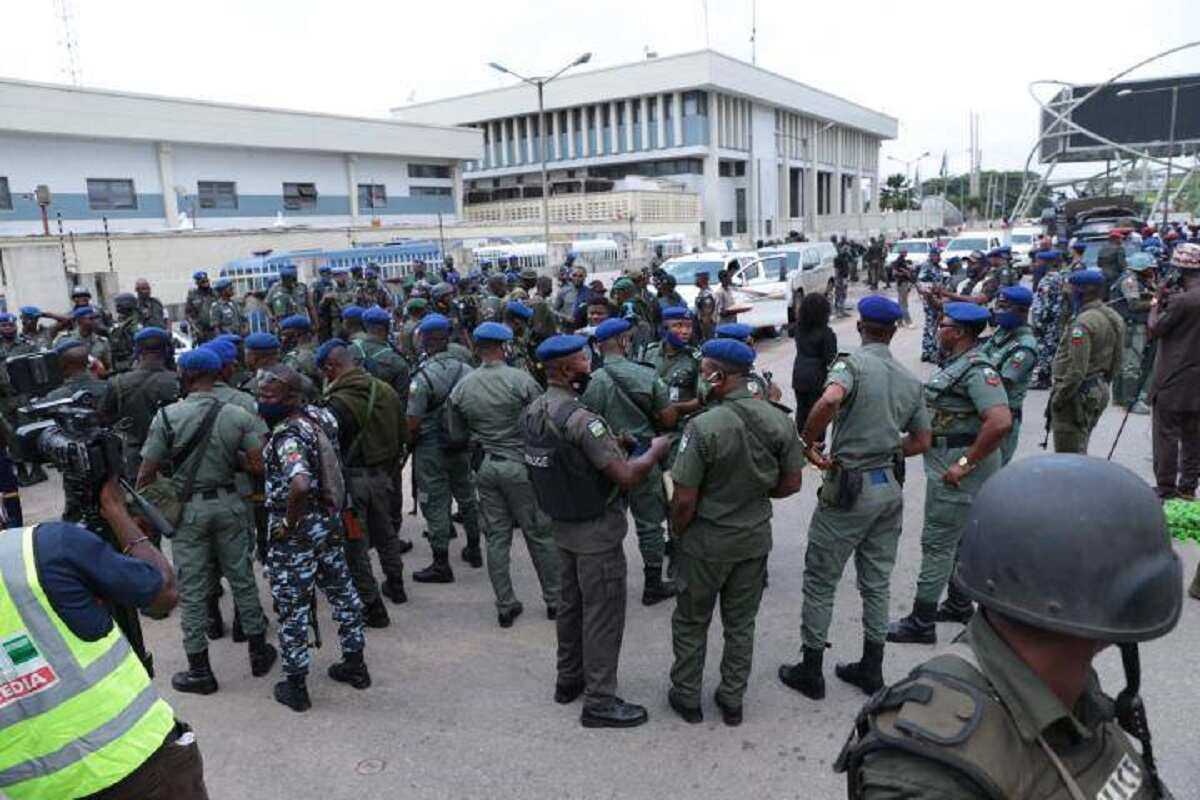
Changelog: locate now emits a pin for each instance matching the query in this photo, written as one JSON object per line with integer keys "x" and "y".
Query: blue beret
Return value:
{"x": 225, "y": 350}
{"x": 877, "y": 308}
{"x": 1047, "y": 255}
{"x": 68, "y": 344}
{"x": 83, "y": 311}
{"x": 324, "y": 269}
{"x": 996, "y": 252}
{"x": 433, "y": 322}
{"x": 151, "y": 334}
{"x": 198, "y": 274}
{"x": 353, "y": 312}
{"x": 1080, "y": 246}
{"x": 734, "y": 330}
{"x": 222, "y": 283}
{"x": 953, "y": 260}
{"x": 370, "y": 273}
{"x": 287, "y": 269}
{"x": 6, "y": 317}
{"x": 232, "y": 338}
{"x": 262, "y": 341}
{"x": 340, "y": 271}
{"x": 729, "y": 350}
{"x": 1086, "y": 277}
{"x": 296, "y": 322}
{"x": 519, "y": 309}
{"x": 376, "y": 316}
{"x": 30, "y": 311}
{"x": 493, "y": 332}
{"x": 200, "y": 360}
{"x": 560, "y": 346}
{"x": 610, "y": 328}
{"x": 675, "y": 312}
{"x": 967, "y": 312}
{"x": 326, "y": 348}
{"x": 1018, "y": 295}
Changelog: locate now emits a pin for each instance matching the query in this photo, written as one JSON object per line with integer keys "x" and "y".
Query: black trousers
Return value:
{"x": 1176, "y": 448}
{"x": 591, "y": 621}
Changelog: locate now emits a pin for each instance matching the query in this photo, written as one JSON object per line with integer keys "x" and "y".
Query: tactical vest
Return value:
{"x": 75, "y": 716}
{"x": 1000, "y": 357}
{"x": 946, "y": 711}
{"x": 568, "y": 488}
{"x": 939, "y": 388}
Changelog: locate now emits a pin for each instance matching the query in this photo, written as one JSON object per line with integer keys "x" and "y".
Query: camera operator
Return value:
{"x": 81, "y": 717}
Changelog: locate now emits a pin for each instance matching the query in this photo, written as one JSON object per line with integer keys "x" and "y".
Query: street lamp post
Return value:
{"x": 909, "y": 162}
{"x": 540, "y": 83}
{"x": 1174, "y": 90}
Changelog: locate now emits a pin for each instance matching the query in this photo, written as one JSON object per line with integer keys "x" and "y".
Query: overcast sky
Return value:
{"x": 926, "y": 62}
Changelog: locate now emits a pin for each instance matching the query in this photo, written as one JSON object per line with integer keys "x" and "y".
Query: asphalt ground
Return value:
{"x": 460, "y": 708}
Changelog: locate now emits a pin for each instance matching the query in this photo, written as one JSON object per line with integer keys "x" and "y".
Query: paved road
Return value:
{"x": 462, "y": 709}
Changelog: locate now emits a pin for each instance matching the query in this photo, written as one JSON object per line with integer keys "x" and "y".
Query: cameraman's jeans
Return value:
{"x": 218, "y": 527}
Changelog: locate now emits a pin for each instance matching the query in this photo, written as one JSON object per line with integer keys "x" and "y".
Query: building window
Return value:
{"x": 299, "y": 196}
{"x": 428, "y": 171}
{"x": 5, "y": 196}
{"x": 695, "y": 104}
{"x": 731, "y": 169}
{"x": 109, "y": 194}
{"x": 726, "y": 227}
{"x": 740, "y": 209}
{"x": 372, "y": 195}
{"x": 429, "y": 191}
{"x": 217, "y": 194}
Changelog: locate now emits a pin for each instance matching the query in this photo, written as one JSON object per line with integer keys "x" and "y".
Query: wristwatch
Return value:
{"x": 965, "y": 463}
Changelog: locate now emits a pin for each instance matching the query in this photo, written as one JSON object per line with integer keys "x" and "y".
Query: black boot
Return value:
{"x": 917, "y": 628}
{"x": 806, "y": 677}
{"x": 614, "y": 714}
{"x": 293, "y": 693}
{"x": 199, "y": 678}
{"x": 23, "y": 475}
{"x": 352, "y": 670}
{"x": 508, "y": 616}
{"x": 236, "y": 633}
{"x": 376, "y": 615}
{"x": 473, "y": 555}
{"x": 216, "y": 623}
{"x": 393, "y": 589}
{"x": 437, "y": 572}
{"x": 957, "y": 607}
{"x": 262, "y": 655}
{"x": 656, "y": 589}
{"x": 868, "y": 673}
{"x": 403, "y": 545}
{"x": 691, "y": 714}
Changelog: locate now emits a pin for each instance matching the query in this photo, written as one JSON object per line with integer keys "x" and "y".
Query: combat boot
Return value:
{"x": 376, "y": 615}
{"x": 352, "y": 670}
{"x": 393, "y": 589}
{"x": 235, "y": 632}
{"x": 437, "y": 572}
{"x": 957, "y": 607}
{"x": 866, "y": 674}
{"x": 806, "y": 677}
{"x": 656, "y": 589}
{"x": 262, "y": 655}
{"x": 614, "y": 714}
{"x": 293, "y": 693}
{"x": 917, "y": 628}
{"x": 216, "y": 623}
{"x": 199, "y": 678}
{"x": 473, "y": 555}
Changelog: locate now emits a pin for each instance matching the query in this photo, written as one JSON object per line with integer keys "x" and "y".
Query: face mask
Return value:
{"x": 273, "y": 413}
{"x": 675, "y": 340}
{"x": 580, "y": 382}
{"x": 1008, "y": 320}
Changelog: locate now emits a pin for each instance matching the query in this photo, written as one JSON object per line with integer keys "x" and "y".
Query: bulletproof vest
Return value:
{"x": 946, "y": 711}
{"x": 568, "y": 488}
{"x": 939, "y": 391}
{"x": 120, "y": 340}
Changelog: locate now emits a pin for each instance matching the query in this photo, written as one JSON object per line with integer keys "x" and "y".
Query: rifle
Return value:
{"x": 312, "y": 617}
{"x": 1047, "y": 415}
{"x": 1147, "y": 354}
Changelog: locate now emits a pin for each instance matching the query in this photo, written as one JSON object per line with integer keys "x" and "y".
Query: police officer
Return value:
{"x": 369, "y": 420}
{"x": 1088, "y": 358}
{"x": 289, "y": 296}
{"x": 634, "y": 402}
{"x": 371, "y": 293}
{"x": 204, "y": 439}
{"x": 138, "y": 394}
{"x": 676, "y": 361}
{"x": 75, "y": 362}
{"x": 1014, "y": 708}
{"x": 1013, "y": 352}
{"x": 441, "y": 466}
{"x": 149, "y": 308}
{"x": 705, "y": 309}
{"x": 874, "y": 260}
{"x": 879, "y": 419}
{"x": 122, "y": 333}
{"x": 733, "y": 458}
{"x": 569, "y": 296}
{"x": 306, "y": 535}
{"x": 930, "y": 278}
{"x": 226, "y": 313}
{"x": 492, "y": 303}
{"x": 578, "y": 468}
{"x": 262, "y": 350}
{"x": 352, "y": 323}
{"x": 33, "y": 337}
{"x": 87, "y": 322}
{"x": 333, "y": 302}
{"x": 295, "y": 339}
{"x": 970, "y": 418}
{"x": 486, "y": 405}
{"x": 1048, "y": 315}
{"x": 1111, "y": 258}
{"x": 322, "y": 284}
{"x": 416, "y": 309}
{"x": 1130, "y": 297}
{"x": 197, "y": 309}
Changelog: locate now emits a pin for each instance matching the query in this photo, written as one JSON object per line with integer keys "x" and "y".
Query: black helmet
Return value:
{"x": 124, "y": 302}
{"x": 1073, "y": 544}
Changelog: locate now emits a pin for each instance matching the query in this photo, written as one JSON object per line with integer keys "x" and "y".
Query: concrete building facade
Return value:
{"x": 141, "y": 161}
{"x": 766, "y": 154}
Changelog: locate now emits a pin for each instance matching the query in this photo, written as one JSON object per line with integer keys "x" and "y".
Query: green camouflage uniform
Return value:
{"x": 1089, "y": 357}
{"x": 1014, "y": 354}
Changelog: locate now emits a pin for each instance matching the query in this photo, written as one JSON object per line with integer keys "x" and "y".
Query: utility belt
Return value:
{"x": 842, "y": 486}
{"x": 950, "y": 441}
{"x": 213, "y": 494}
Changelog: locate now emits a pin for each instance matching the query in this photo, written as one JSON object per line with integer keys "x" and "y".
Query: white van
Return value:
{"x": 759, "y": 281}
{"x": 807, "y": 268}
{"x": 968, "y": 241}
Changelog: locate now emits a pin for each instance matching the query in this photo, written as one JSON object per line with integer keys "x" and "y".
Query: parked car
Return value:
{"x": 968, "y": 241}
{"x": 917, "y": 250}
{"x": 1023, "y": 240}
{"x": 760, "y": 282}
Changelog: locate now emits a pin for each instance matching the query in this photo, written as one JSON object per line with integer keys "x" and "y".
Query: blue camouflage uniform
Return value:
{"x": 1048, "y": 316}
{"x": 930, "y": 276}
{"x": 311, "y": 553}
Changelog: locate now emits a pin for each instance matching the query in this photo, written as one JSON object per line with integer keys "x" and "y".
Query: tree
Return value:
{"x": 896, "y": 194}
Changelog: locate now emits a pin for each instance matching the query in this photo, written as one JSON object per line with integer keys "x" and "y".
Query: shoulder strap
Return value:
{"x": 189, "y": 480}
{"x": 629, "y": 396}
{"x": 362, "y": 426}
{"x": 748, "y": 423}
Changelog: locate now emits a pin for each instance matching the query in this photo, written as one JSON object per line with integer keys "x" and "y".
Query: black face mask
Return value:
{"x": 273, "y": 413}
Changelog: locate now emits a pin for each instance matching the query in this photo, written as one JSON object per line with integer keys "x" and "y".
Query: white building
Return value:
{"x": 142, "y": 161}
{"x": 766, "y": 154}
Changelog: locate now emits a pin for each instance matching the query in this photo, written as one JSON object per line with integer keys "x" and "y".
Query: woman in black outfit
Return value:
{"x": 816, "y": 348}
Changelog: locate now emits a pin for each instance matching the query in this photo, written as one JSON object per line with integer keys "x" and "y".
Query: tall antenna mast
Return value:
{"x": 65, "y": 12}
{"x": 706, "y": 41}
{"x": 754, "y": 32}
